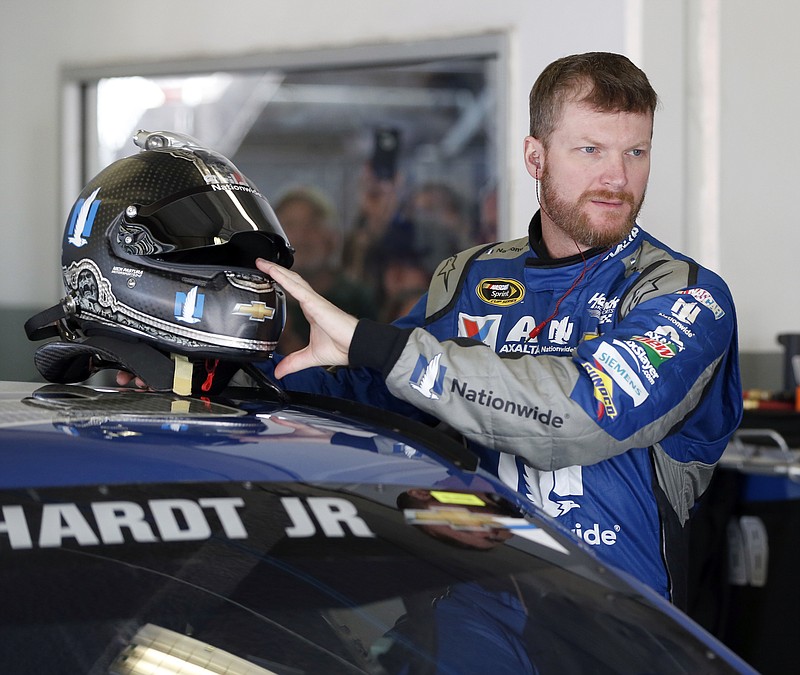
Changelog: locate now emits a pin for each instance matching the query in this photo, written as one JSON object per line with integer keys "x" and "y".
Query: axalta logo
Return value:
{"x": 500, "y": 292}
{"x": 594, "y": 536}
{"x": 157, "y": 520}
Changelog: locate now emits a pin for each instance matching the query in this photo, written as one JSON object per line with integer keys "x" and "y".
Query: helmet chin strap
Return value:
{"x": 76, "y": 357}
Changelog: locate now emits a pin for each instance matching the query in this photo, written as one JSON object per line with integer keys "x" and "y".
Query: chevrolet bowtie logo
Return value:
{"x": 257, "y": 311}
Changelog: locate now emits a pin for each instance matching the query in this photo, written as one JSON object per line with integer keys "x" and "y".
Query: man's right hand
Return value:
{"x": 331, "y": 328}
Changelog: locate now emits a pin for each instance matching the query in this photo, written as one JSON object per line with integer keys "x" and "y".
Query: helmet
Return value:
{"x": 160, "y": 248}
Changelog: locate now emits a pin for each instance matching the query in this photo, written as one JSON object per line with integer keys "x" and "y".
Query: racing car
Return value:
{"x": 149, "y": 532}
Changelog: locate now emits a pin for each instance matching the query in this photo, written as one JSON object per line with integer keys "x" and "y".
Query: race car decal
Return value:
{"x": 336, "y": 517}
{"x": 106, "y": 522}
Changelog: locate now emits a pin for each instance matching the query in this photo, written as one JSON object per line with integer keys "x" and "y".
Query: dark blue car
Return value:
{"x": 153, "y": 533}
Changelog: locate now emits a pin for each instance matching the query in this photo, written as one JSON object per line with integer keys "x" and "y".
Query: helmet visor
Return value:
{"x": 211, "y": 218}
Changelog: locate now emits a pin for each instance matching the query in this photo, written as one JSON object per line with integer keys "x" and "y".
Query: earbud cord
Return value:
{"x": 586, "y": 268}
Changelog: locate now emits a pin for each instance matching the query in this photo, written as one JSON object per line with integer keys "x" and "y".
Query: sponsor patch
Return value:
{"x": 483, "y": 328}
{"x": 603, "y": 392}
{"x": 626, "y": 379}
{"x": 500, "y": 292}
{"x": 706, "y": 300}
{"x": 489, "y": 399}
{"x": 657, "y": 351}
{"x": 685, "y": 312}
{"x": 428, "y": 377}
{"x": 560, "y": 331}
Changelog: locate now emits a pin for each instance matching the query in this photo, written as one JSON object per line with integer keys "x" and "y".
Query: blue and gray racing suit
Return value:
{"x": 611, "y": 418}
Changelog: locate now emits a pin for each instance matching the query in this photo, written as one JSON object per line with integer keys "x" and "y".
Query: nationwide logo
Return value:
{"x": 594, "y": 536}
{"x": 82, "y": 219}
{"x": 488, "y": 399}
{"x": 680, "y": 325}
{"x": 603, "y": 392}
{"x": 255, "y": 311}
{"x": 685, "y": 312}
{"x": 189, "y": 306}
{"x": 500, "y": 292}
{"x": 560, "y": 332}
{"x": 706, "y": 300}
{"x": 428, "y": 377}
{"x": 483, "y": 328}
{"x": 552, "y": 491}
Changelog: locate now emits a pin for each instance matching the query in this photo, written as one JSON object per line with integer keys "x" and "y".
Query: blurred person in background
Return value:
{"x": 309, "y": 220}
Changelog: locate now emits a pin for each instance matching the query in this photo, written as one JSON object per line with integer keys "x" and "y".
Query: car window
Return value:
{"x": 301, "y": 578}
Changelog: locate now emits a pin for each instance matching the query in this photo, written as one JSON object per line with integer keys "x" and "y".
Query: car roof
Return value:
{"x": 60, "y": 435}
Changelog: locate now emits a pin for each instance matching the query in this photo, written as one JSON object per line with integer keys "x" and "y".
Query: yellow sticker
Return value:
{"x": 465, "y": 498}
{"x": 182, "y": 377}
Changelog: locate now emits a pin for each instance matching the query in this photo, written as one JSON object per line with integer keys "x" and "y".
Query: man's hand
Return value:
{"x": 331, "y": 328}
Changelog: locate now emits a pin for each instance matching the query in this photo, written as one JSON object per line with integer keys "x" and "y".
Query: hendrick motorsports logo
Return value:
{"x": 500, "y": 292}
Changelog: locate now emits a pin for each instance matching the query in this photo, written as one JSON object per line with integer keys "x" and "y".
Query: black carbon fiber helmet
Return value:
{"x": 160, "y": 248}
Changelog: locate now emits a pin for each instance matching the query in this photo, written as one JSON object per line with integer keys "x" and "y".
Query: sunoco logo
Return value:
{"x": 500, "y": 292}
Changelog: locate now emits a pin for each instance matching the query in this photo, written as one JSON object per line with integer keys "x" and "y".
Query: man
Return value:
{"x": 593, "y": 368}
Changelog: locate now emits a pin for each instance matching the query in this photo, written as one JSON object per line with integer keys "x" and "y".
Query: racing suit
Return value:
{"x": 611, "y": 418}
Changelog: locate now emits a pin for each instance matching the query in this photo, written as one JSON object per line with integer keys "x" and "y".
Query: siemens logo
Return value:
{"x": 489, "y": 400}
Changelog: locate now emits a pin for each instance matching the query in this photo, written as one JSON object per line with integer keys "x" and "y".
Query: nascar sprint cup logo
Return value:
{"x": 500, "y": 292}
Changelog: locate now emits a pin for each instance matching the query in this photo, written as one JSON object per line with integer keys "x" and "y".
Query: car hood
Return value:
{"x": 78, "y": 435}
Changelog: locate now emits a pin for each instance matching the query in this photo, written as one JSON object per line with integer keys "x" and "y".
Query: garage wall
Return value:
{"x": 39, "y": 40}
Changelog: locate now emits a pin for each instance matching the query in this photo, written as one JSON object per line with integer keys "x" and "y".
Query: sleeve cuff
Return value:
{"x": 377, "y": 345}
